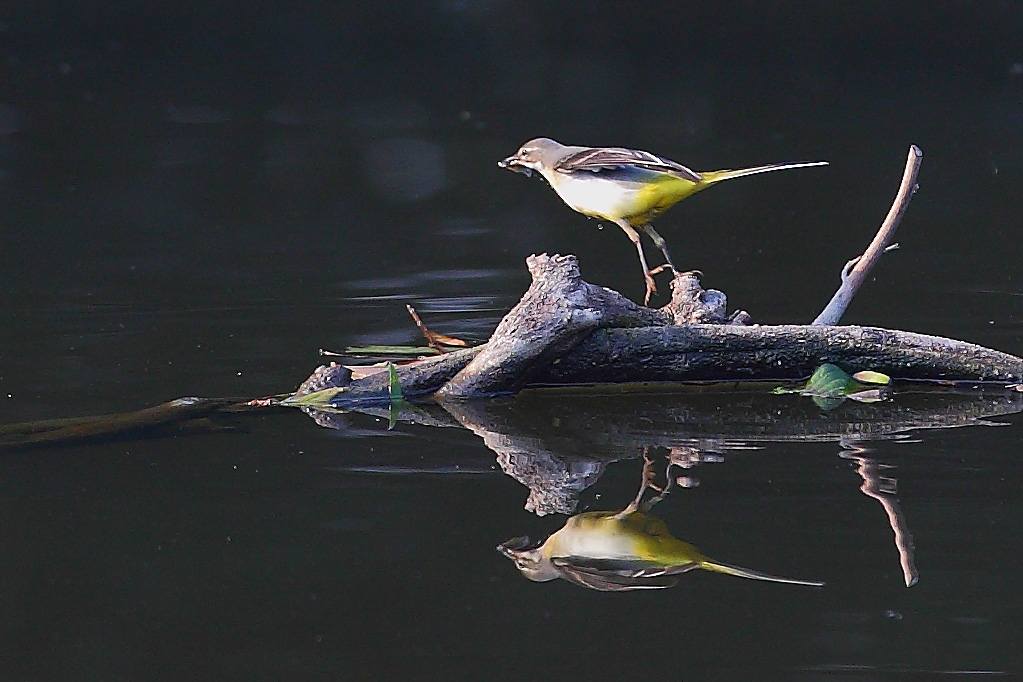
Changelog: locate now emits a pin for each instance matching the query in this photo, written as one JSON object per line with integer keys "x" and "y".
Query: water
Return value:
{"x": 195, "y": 203}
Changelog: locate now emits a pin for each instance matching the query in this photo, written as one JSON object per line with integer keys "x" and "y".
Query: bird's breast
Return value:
{"x": 598, "y": 197}
{"x": 636, "y": 197}
{"x": 596, "y": 538}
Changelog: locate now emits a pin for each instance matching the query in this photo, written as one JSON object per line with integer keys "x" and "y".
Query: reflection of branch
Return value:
{"x": 883, "y": 490}
{"x": 855, "y": 271}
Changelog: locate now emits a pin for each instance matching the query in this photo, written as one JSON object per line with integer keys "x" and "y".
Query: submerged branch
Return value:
{"x": 174, "y": 413}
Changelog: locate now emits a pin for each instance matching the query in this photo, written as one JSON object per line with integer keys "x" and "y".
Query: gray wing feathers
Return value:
{"x": 597, "y": 159}
{"x": 617, "y": 575}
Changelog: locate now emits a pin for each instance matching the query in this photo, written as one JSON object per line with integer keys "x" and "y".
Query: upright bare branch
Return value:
{"x": 856, "y": 270}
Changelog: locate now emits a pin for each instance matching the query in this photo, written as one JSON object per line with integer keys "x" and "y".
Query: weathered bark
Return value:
{"x": 773, "y": 353}
{"x": 418, "y": 379}
{"x": 556, "y": 312}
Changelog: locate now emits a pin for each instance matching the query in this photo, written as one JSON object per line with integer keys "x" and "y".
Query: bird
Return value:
{"x": 628, "y": 187}
{"x": 619, "y": 551}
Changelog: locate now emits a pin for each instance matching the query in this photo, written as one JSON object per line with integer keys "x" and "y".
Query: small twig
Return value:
{"x": 855, "y": 271}
{"x": 435, "y": 340}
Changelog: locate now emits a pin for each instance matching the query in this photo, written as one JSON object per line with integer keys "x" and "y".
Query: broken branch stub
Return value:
{"x": 556, "y": 312}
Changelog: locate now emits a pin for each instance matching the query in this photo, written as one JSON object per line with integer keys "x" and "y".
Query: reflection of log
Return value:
{"x": 555, "y": 466}
{"x": 615, "y": 427}
{"x": 558, "y": 445}
{"x": 567, "y": 331}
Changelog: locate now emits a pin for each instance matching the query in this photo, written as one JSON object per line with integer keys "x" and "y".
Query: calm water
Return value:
{"x": 194, "y": 202}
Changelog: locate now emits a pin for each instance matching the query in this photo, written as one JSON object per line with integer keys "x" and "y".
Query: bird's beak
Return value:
{"x": 513, "y": 547}
{"x": 514, "y": 163}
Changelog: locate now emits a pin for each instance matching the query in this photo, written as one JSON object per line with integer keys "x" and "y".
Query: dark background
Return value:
{"x": 194, "y": 199}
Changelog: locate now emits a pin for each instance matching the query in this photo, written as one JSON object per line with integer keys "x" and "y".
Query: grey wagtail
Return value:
{"x": 626, "y": 186}
{"x": 619, "y": 551}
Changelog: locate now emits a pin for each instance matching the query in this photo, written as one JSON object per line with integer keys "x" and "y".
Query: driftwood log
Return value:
{"x": 566, "y": 331}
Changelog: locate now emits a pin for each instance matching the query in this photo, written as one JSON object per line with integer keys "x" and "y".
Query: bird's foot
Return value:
{"x": 675, "y": 273}
{"x": 651, "y": 287}
{"x": 694, "y": 273}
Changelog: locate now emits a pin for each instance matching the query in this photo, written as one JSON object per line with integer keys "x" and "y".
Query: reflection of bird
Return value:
{"x": 626, "y": 186}
{"x": 619, "y": 551}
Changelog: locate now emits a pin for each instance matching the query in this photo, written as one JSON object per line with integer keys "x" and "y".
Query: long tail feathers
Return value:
{"x": 754, "y": 575}
{"x": 718, "y": 176}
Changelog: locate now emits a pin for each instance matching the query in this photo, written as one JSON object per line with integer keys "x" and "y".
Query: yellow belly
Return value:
{"x": 636, "y": 536}
{"x": 657, "y": 197}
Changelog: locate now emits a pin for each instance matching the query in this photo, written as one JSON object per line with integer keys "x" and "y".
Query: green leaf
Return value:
{"x": 395, "y": 385}
{"x": 397, "y": 399}
{"x": 868, "y": 377}
{"x": 829, "y": 381}
{"x": 314, "y": 399}
{"x": 411, "y": 351}
{"x": 826, "y": 404}
{"x": 830, "y": 385}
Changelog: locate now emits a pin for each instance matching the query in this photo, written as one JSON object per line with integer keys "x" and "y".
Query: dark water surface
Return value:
{"x": 193, "y": 201}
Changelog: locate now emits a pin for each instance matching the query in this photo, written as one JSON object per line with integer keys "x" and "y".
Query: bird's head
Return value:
{"x": 529, "y": 560}
{"x": 535, "y": 155}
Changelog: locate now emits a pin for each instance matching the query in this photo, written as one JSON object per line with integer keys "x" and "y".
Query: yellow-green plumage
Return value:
{"x": 615, "y": 551}
{"x": 665, "y": 190}
{"x": 626, "y": 186}
{"x": 660, "y": 194}
{"x": 634, "y": 534}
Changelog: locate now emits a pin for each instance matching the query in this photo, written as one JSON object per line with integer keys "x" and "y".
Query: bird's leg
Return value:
{"x": 647, "y": 480}
{"x": 661, "y": 244}
{"x": 662, "y": 492}
{"x": 634, "y": 236}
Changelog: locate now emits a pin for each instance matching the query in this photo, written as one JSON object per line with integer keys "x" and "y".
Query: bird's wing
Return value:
{"x": 610, "y": 158}
{"x": 614, "y": 583}
{"x": 617, "y": 575}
